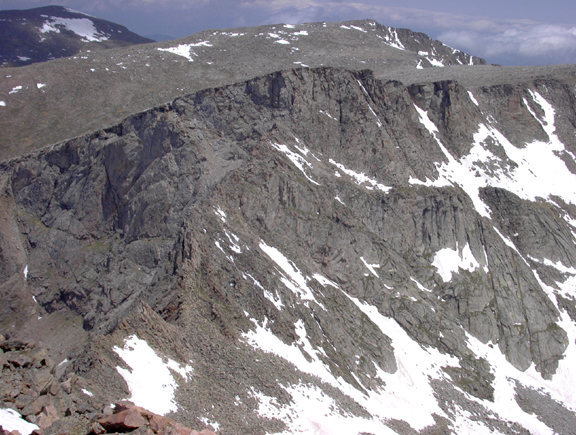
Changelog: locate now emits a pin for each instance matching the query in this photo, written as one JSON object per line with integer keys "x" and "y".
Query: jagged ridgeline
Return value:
{"x": 309, "y": 250}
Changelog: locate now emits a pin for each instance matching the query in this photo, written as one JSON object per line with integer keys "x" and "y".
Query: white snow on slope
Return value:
{"x": 505, "y": 375}
{"x": 274, "y": 298}
{"x": 15, "y": 89}
{"x": 449, "y": 261}
{"x": 419, "y": 285}
{"x": 83, "y": 27}
{"x": 11, "y": 420}
{"x": 392, "y": 39}
{"x": 435, "y": 62}
{"x": 536, "y": 172}
{"x": 361, "y": 179}
{"x": 323, "y": 112}
{"x": 371, "y": 267}
{"x": 180, "y": 50}
{"x": 378, "y": 122}
{"x": 313, "y": 412}
{"x": 220, "y": 213}
{"x": 325, "y": 282}
{"x": 301, "y": 354}
{"x": 473, "y": 99}
{"x": 566, "y": 288}
{"x": 150, "y": 379}
{"x": 291, "y": 275}
{"x": 298, "y": 160}
{"x": 185, "y": 50}
{"x": 405, "y": 395}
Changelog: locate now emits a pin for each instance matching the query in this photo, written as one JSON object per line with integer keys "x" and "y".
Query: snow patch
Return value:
{"x": 292, "y": 278}
{"x": 323, "y": 112}
{"x": 371, "y": 267}
{"x": 150, "y": 379}
{"x": 83, "y": 27}
{"x": 337, "y": 198}
{"x": 180, "y": 50}
{"x": 407, "y": 395}
{"x": 11, "y": 420}
{"x": 378, "y": 122}
{"x": 420, "y": 286}
{"x": 298, "y": 160}
{"x": 449, "y": 261}
{"x": 505, "y": 375}
{"x": 311, "y": 411}
{"x": 220, "y": 213}
{"x": 361, "y": 179}
{"x": 473, "y": 99}
{"x": 15, "y": 89}
{"x": 324, "y": 281}
{"x": 208, "y": 422}
{"x": 359, "y": 29}
{"x": 392, "y": 39}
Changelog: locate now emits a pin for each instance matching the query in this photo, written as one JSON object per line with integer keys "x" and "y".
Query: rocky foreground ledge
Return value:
{"x": 39, "y": 397}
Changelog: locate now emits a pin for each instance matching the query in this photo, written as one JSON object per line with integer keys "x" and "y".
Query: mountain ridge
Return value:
{"x": 124, "y": 81}
{"x": 316, "y": 250}
{"x": 40, "y": 34}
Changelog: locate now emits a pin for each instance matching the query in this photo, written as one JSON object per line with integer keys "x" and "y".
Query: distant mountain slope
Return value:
{"x": 41, "y": 34}
{"x": 49, "y": 102}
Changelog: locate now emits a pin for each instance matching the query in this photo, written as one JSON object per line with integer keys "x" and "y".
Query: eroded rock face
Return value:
{"x": 250, "y": 228}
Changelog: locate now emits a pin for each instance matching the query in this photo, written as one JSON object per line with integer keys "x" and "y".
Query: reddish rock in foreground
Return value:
{"x": 128, "y": 417}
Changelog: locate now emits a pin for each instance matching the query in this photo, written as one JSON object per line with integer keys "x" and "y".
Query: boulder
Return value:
{"x": 128, "y": 419}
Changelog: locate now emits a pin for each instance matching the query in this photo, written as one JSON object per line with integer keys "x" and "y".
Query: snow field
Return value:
{"x": 405, "y": 395}
{"x": 449, "y": 261}
{"x": 150, "y": 378}
{"x": 538, "y": 171}
{"x": 83, "y": 27}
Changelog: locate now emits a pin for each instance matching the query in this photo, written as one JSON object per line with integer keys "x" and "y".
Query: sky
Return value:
{"x": 508, "y": 32}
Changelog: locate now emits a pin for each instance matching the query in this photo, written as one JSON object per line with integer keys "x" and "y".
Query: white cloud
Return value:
{"x": 534, "y": 41}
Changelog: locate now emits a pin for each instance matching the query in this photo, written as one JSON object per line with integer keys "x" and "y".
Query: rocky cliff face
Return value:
{"x": 313, "y": 249}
